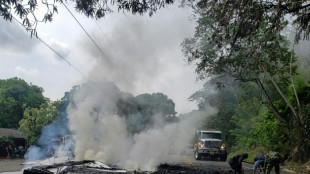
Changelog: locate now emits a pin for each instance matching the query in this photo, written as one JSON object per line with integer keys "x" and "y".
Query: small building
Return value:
{"x": 19, "y": 140}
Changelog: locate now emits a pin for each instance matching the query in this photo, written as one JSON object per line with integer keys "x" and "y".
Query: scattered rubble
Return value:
{"x": 175, "y": 169}
{"x": 86, "y": 166}
{"x": 97, "y": 167}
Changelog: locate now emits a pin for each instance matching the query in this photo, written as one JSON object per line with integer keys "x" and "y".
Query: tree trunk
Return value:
{"x": 280, "y": 92}
{"x": 272, "y": 107}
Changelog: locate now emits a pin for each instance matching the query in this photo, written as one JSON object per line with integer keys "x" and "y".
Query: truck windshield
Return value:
{"x": 211, "y": 135}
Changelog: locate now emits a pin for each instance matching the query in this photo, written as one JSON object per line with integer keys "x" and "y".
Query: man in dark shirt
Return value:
{"x": 236, "y": 162}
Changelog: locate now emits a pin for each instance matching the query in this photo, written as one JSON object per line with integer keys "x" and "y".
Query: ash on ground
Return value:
{"x": 175, "y": 169}
{"x": 96, "y": 167}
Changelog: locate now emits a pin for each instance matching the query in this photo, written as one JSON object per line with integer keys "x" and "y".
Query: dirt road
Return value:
{"x": 10, "y": 165}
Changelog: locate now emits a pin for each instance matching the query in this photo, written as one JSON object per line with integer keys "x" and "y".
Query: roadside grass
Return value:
{"x": 251, "y": 153}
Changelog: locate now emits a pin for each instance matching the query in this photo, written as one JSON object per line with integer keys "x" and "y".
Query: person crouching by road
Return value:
{"x": 259, "y": 160}
{"x": 236, "y": 162}
{"x": 273, "y": 159}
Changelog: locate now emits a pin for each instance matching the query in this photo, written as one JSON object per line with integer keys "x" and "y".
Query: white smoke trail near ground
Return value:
{"x": 155, "y": 146}
{"x": 99, "y": 134}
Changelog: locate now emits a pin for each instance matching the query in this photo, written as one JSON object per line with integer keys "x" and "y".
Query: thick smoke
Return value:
{"x": 55, "y": 141}
{"x": 100, "y": 134}
{"x": 140, "y": 52}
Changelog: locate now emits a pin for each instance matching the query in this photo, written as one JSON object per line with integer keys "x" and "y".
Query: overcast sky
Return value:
{"x": 141, "y": 54}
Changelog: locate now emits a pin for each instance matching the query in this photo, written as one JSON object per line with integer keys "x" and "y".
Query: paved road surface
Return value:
{"x": 9, "y": 165}
{"x": 183, "y": 160}
{"x": 188, "y": 160}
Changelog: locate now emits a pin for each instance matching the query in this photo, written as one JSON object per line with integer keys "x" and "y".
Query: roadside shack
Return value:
{"x": 18, "y": 139}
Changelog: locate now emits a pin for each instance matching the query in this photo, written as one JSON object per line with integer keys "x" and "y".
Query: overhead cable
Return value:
{"x": 100, "y": 50}
{"x": 69, "y": 63}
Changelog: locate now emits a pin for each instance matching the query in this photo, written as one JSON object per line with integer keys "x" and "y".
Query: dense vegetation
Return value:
{"x": 6, "y": 140}
{"x": 16, "y": 96}
{"x": 263, "y": 92}
{"x": 250, "y": 124}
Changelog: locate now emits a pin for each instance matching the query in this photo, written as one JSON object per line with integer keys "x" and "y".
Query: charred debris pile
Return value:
{"x": 96, "y": 167}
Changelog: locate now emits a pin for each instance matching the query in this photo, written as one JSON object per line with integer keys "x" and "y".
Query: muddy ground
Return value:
{"x": 10, "y": 165}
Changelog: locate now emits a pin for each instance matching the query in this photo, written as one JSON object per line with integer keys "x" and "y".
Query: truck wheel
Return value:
{"x": 197, "y": 155}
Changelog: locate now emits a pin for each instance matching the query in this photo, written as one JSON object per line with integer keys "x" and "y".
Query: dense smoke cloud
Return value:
{"x": 141, "y": 55}
{"x": 102, "y": 135}
{"x": 136, "y": 59}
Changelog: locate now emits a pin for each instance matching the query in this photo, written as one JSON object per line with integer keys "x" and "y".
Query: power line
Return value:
{"x": 69, "y": 63}
{"x": 101, "y": 51}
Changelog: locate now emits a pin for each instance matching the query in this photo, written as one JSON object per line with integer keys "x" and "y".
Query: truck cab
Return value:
{"x": 210, "y": 144}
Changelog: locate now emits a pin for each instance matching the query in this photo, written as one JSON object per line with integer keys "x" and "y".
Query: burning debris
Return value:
{"x": 176, "y": 169}
{"x": 85, "y": 166}
{"x": 97, "y": 167}
{"x": 94, "y": 129}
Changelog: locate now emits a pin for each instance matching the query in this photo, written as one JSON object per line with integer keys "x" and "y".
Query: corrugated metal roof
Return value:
{"x": 14, "y": 132}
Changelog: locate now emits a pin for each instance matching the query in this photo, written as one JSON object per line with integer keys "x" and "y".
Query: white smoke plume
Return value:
{"x": 100, "y": 134}
{"x": 142, "y": 51}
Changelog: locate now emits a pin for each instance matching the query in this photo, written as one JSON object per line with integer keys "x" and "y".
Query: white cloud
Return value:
{"x": 20, "y": 71}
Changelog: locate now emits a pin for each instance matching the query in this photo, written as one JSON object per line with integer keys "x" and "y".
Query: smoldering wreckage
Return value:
{"x": 65, "y": 162}
{"x": 100, "y": 142}
{"x": 68, "y": 165}
{"x": 97, "y": 167}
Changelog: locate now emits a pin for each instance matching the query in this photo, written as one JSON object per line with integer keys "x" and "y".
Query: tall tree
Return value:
{"x": 146, "y": 110}
{"x": 237, "y": 19}
{"x": 15, "y": 96}
{"x": 243, "y": 40}
{"x": 36, "y": 118}
{"x": 244, "y": 58}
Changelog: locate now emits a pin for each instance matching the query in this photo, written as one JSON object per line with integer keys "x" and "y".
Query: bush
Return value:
{"x": 6, "y": 140}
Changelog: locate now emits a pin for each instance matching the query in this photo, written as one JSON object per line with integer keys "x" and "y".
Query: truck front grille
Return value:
{"x": 212, "y": 144}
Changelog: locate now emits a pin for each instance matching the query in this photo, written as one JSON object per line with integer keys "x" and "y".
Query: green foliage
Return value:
{"x": 15, "y": 96}
{"x": 146, "y": 110}
{"x": 35, "y": 119}
{"x": 262, "y": 128}
{"x": 6, "y": 140}
{"x": 248, "y": 113}
{"x": 215, "y": 54}
{"x": 27, "y": 10}
{"x": 225, "y": 100}
{"x": 7, "y": 111}
{"x": 252, "y": 152}
{"x": 272, "y": 134}
{"x": 243, "y": 40}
